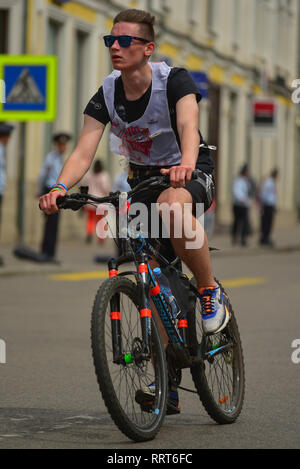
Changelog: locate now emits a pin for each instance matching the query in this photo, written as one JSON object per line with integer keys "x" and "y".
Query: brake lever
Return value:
{"x": 162, "y": 181}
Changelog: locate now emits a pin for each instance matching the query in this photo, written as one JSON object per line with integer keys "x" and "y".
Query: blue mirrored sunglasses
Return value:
{"x": 124, "y": 41}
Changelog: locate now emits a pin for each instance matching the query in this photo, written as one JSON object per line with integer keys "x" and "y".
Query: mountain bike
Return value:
{"x": 126, "y": 343}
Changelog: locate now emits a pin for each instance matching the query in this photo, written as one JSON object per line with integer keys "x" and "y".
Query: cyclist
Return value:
{"x": 153, "y": 111}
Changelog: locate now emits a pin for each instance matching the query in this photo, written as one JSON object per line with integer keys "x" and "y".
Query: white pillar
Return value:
{"x": 224, "y": 190}
{"x": 241, "y": 132}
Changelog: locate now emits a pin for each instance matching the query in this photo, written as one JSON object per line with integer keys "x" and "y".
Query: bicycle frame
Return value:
{"x": 146, "y": 283}
{"x": 141, "y": 355}
{"x": 148, "y": 288}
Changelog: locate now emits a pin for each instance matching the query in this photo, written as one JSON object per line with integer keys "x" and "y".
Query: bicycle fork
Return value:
{"x": 141, "y": 348}
{"x": 145, "y": 307}
{"x": 115, "y": 317}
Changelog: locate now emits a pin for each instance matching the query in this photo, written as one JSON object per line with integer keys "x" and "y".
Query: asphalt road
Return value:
{"x": 49, "y": 394}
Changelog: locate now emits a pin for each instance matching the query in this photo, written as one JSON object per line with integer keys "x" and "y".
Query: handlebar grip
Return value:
{"x": 60, "y": 201}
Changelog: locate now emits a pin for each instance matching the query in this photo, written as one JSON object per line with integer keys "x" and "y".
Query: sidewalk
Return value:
{"x": 74, "y": 256}
{"x": 285, "y": 239}
{"x": 79, "y": 257}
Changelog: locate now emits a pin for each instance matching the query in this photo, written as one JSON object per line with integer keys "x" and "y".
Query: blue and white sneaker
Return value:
{"x": 147, "y": 391}
{"x": 215, "y": 313}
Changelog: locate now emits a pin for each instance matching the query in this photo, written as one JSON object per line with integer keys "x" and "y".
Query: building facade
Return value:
{"x": 237, "y": 50}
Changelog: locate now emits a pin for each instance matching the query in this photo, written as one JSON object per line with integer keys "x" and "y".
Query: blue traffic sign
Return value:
{"x": 25, "y": 87}
{"x": 29, "y": 90}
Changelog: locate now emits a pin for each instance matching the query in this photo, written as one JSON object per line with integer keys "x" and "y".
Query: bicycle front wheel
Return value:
{"x": 220, "y": 377}
{"x": 119, "y": 382}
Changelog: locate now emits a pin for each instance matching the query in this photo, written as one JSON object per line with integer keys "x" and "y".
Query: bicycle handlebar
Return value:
{"x": 77, "y": 200}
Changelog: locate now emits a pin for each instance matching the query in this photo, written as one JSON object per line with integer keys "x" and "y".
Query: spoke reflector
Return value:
{"x": 223, "y": 399}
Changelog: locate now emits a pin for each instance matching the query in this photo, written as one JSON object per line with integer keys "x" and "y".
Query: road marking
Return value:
{"x": 243, "y": 282}
{"x": 103, "y": 274}
{"x": 79, "y": 276}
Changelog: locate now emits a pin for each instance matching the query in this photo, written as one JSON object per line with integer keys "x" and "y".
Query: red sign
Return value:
{"x": 264, "y": 113}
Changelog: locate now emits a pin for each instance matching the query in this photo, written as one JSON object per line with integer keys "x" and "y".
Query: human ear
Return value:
{"x": 149, "y": 49}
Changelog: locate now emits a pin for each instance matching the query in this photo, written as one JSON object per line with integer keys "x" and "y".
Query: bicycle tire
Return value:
{"x": 124, "y": 411}
{"x": 220, "y": 381}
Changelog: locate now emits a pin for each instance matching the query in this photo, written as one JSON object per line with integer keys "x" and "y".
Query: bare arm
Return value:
{"x": 78, "y": 162}
{"x": 187, "y": 115}
{"x": 81, "y": 158}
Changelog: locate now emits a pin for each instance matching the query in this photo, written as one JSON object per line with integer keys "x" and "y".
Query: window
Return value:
{"x": 53, "y": 36}
{"x": 298, "y": 172}
{"x": 190, "y": 13}
{"x": 236, "y": 22}
{"x": 232, "y": 136}
{"x": 211, "y": 16}
{"x": 155, "y": 5}
{"x": 258, "y": 27}
{"x": 79, "y": 75}
{"x": 53, "y": 41}
{"x": 3, "y": 31}
{"x": 298, "y": 28}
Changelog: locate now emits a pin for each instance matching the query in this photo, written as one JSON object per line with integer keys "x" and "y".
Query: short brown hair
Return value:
{"x": 141, "y": 17}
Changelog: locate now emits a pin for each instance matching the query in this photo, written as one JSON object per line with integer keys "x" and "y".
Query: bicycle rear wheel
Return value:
{"x": 220, "y": 378}
{"x": 119, "y": 382}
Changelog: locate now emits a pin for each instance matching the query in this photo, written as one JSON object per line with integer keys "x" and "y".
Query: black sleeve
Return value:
{"x": 180, "y": 84}
{"x": 97, "y": 109}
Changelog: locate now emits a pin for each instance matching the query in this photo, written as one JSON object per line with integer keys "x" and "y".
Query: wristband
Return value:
{"x": 60, "y": 189}
{"x": 62, "y": 185}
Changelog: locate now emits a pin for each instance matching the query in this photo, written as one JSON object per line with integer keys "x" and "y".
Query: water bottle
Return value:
{"x": 166, "y": 291}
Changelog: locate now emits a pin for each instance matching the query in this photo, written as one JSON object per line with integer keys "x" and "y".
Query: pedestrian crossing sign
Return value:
{"x": 30, "y": 87}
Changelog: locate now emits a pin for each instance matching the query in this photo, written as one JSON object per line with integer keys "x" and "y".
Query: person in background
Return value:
{"x": 49, "y": 173}
{"x": 98, "y": 182}
{"x": 5, "y": 133}
{"x": 268, "y": 201}
{"x": 120, "y": 182}
{"x": 241, "y": 203}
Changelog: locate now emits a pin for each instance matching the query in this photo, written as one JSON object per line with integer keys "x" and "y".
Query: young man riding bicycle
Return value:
{"x": 153, "y": 111}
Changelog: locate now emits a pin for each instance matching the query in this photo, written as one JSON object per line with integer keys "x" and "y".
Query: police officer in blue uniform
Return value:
{"x": 50, "y": 171}
{"x": 5, "y": 132}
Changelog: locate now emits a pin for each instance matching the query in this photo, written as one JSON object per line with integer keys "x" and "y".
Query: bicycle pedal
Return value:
{"x": 146, "y": 405}
{"x": 144, "y": 398}
{"x": 147, "y": 408}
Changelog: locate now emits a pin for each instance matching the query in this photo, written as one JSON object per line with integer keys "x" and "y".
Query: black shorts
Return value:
{"x": 201, "y": 189}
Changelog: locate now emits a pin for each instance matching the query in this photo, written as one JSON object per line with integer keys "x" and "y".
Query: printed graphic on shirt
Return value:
{"x": 135, "y": 139}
